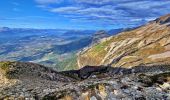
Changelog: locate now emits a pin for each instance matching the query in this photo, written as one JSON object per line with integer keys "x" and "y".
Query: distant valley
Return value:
{"x": 55, "y": 48}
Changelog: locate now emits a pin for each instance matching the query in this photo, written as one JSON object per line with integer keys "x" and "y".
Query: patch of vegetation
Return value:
{"x": 7, "y": 70}
{"x": 98, "y": 51}
{"x": 101, "y": 46}
{"x": 68, "y": 64}
{"x": 5, "y": 65}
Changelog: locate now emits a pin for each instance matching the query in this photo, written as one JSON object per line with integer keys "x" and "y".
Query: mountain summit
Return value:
{"x": 98, "y": 36}
{"x": 163, "y": 19}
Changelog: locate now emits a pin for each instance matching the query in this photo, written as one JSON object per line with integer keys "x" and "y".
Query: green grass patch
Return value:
{"x": 68, "y": 64}
{"x": 5, "y": 65}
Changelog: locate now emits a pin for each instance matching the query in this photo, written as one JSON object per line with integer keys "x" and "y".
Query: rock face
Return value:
{"x": 28, "y": 81}
{"x": 148, "y": 44}
{"x": 98, "y": 36}
{"x": 163, "y": 19}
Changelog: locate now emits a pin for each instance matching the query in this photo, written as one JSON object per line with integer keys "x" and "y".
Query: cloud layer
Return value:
{"x": 108, "y": 12}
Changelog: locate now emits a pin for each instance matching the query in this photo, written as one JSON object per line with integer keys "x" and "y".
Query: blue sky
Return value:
{"x": 80, "y": 14}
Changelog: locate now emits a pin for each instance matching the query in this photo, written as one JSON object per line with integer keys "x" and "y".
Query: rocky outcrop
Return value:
{"x": 20, "y": 81}
{"x": 163, "y": 19}
{"x": 98, "y": 36}
{"x": 130, "y": 87}
{"x": 145, "y": 45}
{"x": 27, "y": 80}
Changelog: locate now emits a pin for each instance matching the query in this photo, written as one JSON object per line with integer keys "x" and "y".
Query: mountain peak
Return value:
{"x": 163, "y": 19}
{"x": 100, "y": 32}
{"x": 99, "y": 35}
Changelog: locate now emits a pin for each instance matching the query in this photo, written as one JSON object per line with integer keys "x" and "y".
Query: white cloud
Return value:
{"x": 97, "y": 2}
{"x": 65, "y": 9}
{"x": 48, "y": 1}
{"x": 113, "y": 11}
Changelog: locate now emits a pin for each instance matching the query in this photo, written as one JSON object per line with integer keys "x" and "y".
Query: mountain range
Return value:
{"x": 132, "y": 65}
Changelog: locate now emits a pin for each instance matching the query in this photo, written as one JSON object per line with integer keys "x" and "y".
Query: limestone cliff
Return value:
{"x": 148, "y": 44}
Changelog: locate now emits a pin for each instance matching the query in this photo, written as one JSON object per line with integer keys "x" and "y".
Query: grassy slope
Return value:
{"x": 60, "y": 62}
{"x": 68, "y": 64}
{"x": 138, "y": 45}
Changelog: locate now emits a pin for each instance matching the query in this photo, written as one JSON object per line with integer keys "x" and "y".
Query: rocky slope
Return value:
{"x": 28, "y": 81}
{"x": 148, "y": 44}
{"x": 22, "y": 80}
